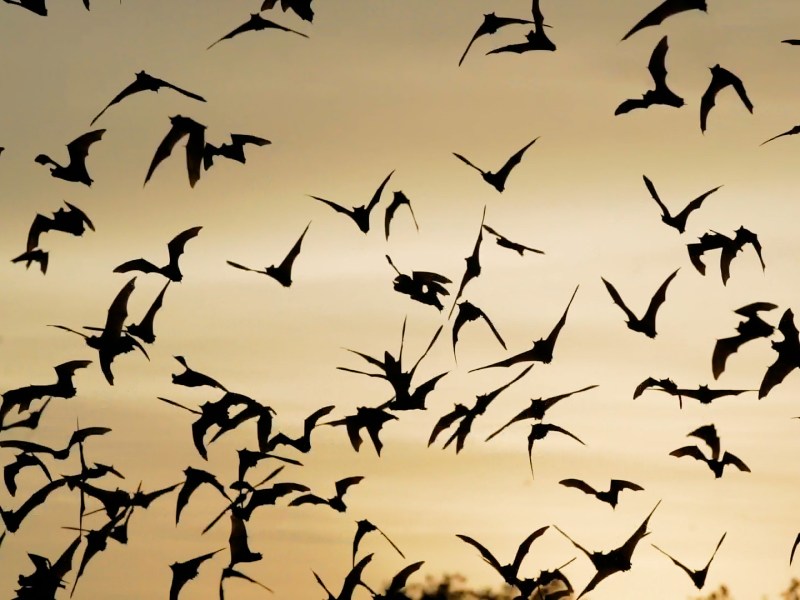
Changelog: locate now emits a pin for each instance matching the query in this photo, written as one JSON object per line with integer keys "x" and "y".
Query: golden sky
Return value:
{"x": 374, "y": 89}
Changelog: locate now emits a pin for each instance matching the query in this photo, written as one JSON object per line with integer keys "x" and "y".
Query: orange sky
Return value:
{"x": 376, "y": 88}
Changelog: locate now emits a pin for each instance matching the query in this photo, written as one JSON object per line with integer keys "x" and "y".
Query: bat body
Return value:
{"x": 359, "y": 214}
{"x": 255, "y": 23}
{"x": 78, "y": 150}
{"x": 647, "y": 323}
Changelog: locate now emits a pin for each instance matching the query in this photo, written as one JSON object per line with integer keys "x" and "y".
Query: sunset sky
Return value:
{"x": 376, "y": 88}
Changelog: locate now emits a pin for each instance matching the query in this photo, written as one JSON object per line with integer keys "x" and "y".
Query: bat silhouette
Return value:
{"x": 232, "y": 151}
{"x": 491, "y": 25}
{"x": 609, "y": 496}
{"x": 21, "y": 398}
{"x": 698, "y": 577}
{"x": 509, "y": 572}
{"x": 30, "y": 421}
{"x": 230, "y": 572}
{"x": 12, "y": 519}
{"x": 647, "y": 323}
{"x": 47, "y": 577}
{"x": 72, "y": 220}
{"x": 171, "y": 270}
{"x": 702, "y": 394}
{"x": 359, "y": 214}
{"x": 720, "y": 79}
{"x": 504, "y": 242}
{"x": 192, "y": 378}
{"x": 363, "y": 527}
{"x": 539, "y": 431}
{"x": 542, "y": 350}
{"x": 302, "y": 443}
{"x": 788, "y": 350}
{"x": 336, "y": 502}
{"x": 752, "y": 328}
{"x": 398, "y": 583}
{"x": 535, "y": 39}
{"x": 184, "y": 572}
{"x": 145, "y": 83}
{"x": 144, "y": 328}
{"x": 97, "y": 541}
{"x": 398, "y": 199}
{"x": 468, "y": 312}
{"x": 256, "y": 497}
{"x": 613, "y": 561}
{"x": 473, "y": 268}
{"x": 22, "y": 460}
{"x": 238, "y": 541}
{"x": 371, "y": 419}
{"x": 252, "y": 410}
{"x": 730, "y": 248}
{"x": 665, "y": 10}
{"x": 498, "y": 179}
{"x": 423, "y": 286}
{"x": 717, "y": 465}
{"x": 195, "y": 146}
{"x": 78, "y": 150}
{"x": 35, "y": 6}
{"x": 467, "y": 416}
{"x": 661, "y": 94}
{"x": 351, "y": 581}
{"x": 538, "y": 407}
{"x": 194, "y": 479}
{"x": 283, "y": 272}
{"x": 677, "y": 221}
{"x": 301, "y": 7}
{"x": 255, "y": 23}
{"x": 31, "y": 256}
{"x": 250, "y": 458}
{"x": 78, "y": 437}
{"x": 793, "y": 131}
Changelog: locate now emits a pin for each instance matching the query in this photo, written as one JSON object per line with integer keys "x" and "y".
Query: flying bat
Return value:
{"x": 371, "y": 419}
{"x": 336, "y": 502}
{"x": 351, "y": 581}
{"x": 491, "y": 25}
{"x": 730, "y": 248}
{"x": 281, "y": 273}
{"x": 72, "y": 220}
{"x": 363, "y": 527}
{"x": 678, "y": 221}
{"x": 144, "y": 328}
{"x": 473, "y": 268}
{"x": 398, "y": 199}
{"x": 752, "y": 328}
{"x": 539, "y": 431}
{"x": 302, "y": 443}
{"x": 194, "y": 479}
{"x": 146, "y": 83}
{"x": 34, "y": 256}
{"x": 301, "y": 7}
{"x": 788, "y": 350}
{"x": 195, "y": 146}
{"x": 232, "y": 151}
{"x": 498, "y": 179}
{"x": 609, "y": 496}
{"x": 535, "y": 39}
{"x": 192, "y": 378}
{"x": 717, "y": 465}
{"x": 504, "y": 242}
{"x": 665, "y": 10}
{"x": 698, "y": 577}
{"x": 720, "y": 79}
{"x": 647, "y": 323}
{"x": 398, "y": 583}
{"x": 255, "y": 23}
{"x": 78, "y": 150}
{"x": 184, "y": 572}
{"x": 423, "y": 286}
{"x": 359, "y": 214}
{"x": 661, "y": 94}
{"x": 171, "y": 270}
{"x": 468, "y": 312}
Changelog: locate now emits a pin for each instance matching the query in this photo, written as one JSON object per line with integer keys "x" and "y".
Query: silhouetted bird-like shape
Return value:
{"x": 504, "y": 242}
{"x": 730, "y": 248}
{"x": 255, "y": 23}
{"x": 793, "y": 131}
{"x": 144, "y": 328}
{"x": 195, "y": 146}
{"x": 302, "y": 443}
{"x": 498, "y": 179}
{"x": 473, "y": 268}
{"x": 647, "y": 323}
{"x": 423, "y": 286}
{"x": 22, "y": 461}
{"x": 72, "y": 220}
{"x": 717, "y": 465}
{"x": 301, "y": 7}
{"x": 538, "y": 407}
{"x": 491, "y": 25}
{"x": 788, "y": 350}
{"x": 38, "y": 7}
{"x": 509, "y": 572}
{"x": 34, "y": 256}
{"x": 609, "y": 496}
{"x": 394, "y": 591}
{"x": 539, "y": 431}
{"x": 184, "y": 572}
{"x": 468, "y": 312}
{"x": 702, "y": 394}
{"x": 29, "y": 421}
{"x": 752, "y": 328}
{"x": 78, "y": 150}
{"x": 398, "y": 199}
{"x": 371, "y": 419}
{"x": 542, "y": 350}
{"x": 192, "y": 378}
{"x": 97, "y": 541}
{"x": 467, "y": 416}
{"x": 359, "y": 214}
{"x": 194, "y": 479}
{"x": 171, "y": 270}
{"x": 47, "y": 578}
{"x": 698, "y": 577}
{"x": 78, "y": 437}
{"x": 281, "y": 273}
{"x": 661, "y": 94}
{"x": 145, "y": 82}
{"x": 230, "y": 573}
{"x": 720, "y": 79}
{"x": 678, "y": 221}
{"x": 535, "y": 39}
{"x": 363, "y": 527}
{"x": 336, "y": 502}
{"x": 351, "y": 581}
{"x": 12, "y": 519}
{"x": 238, "y": 541}
{"x": 613, "y": 561}
{"x": 665, "y": 10}
{"x": 232, "y": 151}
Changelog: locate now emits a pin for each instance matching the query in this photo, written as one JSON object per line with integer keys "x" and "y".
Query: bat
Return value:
{"x": 498, "y": 179}
{"x": 195, "y": 146}
{"x": 192, "y": 378}
{"x": 678, "y": 221}
{"x": 281, "y": 273}
{"x": 665, "y": 10}
{"x": 698, "y": 577}
{"x": 398, "y": 199}
{"x": 504, "y": 242}
{"x": 171, "y": 270}
{"x": 609, "y": 496}
{"x": 255, "y": 23}
{"x": 647, "y": 323}
{"x": 491, "y": 24}
{"x": 788, "y": 358}
{"x": 78, "y": 150}
{"x": 720, "y": 79}
{"x": 661, "y": 94}
{"x": 359, "y": 214}
{"x": 232, "y": 151}
{"x": 336, "y": 502}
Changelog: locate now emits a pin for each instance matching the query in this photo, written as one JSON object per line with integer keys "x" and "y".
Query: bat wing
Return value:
{"x": 478, "y": 33}
{"x": 118, "y": 311}
{"x": 694, "y": 205}
{"x": 657, "y": 66}
{"x": 377, "y": 195}
{"x": 579, "y": 485}
{"x": 78, "y": 148}
{"x": 525, "y": 546}
{"x": 707, "y": 102}
{"x": 136, "y": 86}
{"x": 487, "y": 556}
{"x": 663, "y": 11}
{"x": 286, "y": 263}
{"x": 621, "y": 484}
{"x": 176, "y": 132}
{"x": 708, "y": 433}
{"x": 466, "y": 161}
{"x": 344, "y": 484}
{"x": 180, "y": 90}
{"x": 618, "y": 301}
{"x": 732, "y": 459}
{"x": 658, "y": 299}
{"x": 692, "y": 451}
{"x": 630, "y": 104}
{"x": 41, "y": 224}
{"x": 308, "y": 499}
{"x": 398, "y": 582}
{"x": 652, "y": 189}
{"x": 512, "y": 162}
{"x": 178, "y": 243}
{"x": 334, "y": 206}
{"x": 247, "y": 26}
{"x": 794, "y": 547}
{"x": 458, "y": 412}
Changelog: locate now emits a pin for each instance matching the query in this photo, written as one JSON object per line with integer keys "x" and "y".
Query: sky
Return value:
{"x": 376, "y": 89}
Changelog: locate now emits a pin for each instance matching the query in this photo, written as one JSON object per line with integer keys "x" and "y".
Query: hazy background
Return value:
{"x": 376, "y": 88}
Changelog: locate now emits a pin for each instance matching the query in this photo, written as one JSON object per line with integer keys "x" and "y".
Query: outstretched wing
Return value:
{"x": 512, "y": 162}
{"x": 658, "y": 299}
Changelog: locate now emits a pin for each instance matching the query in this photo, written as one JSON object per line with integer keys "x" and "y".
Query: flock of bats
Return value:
{"x": 23, "y": 407}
